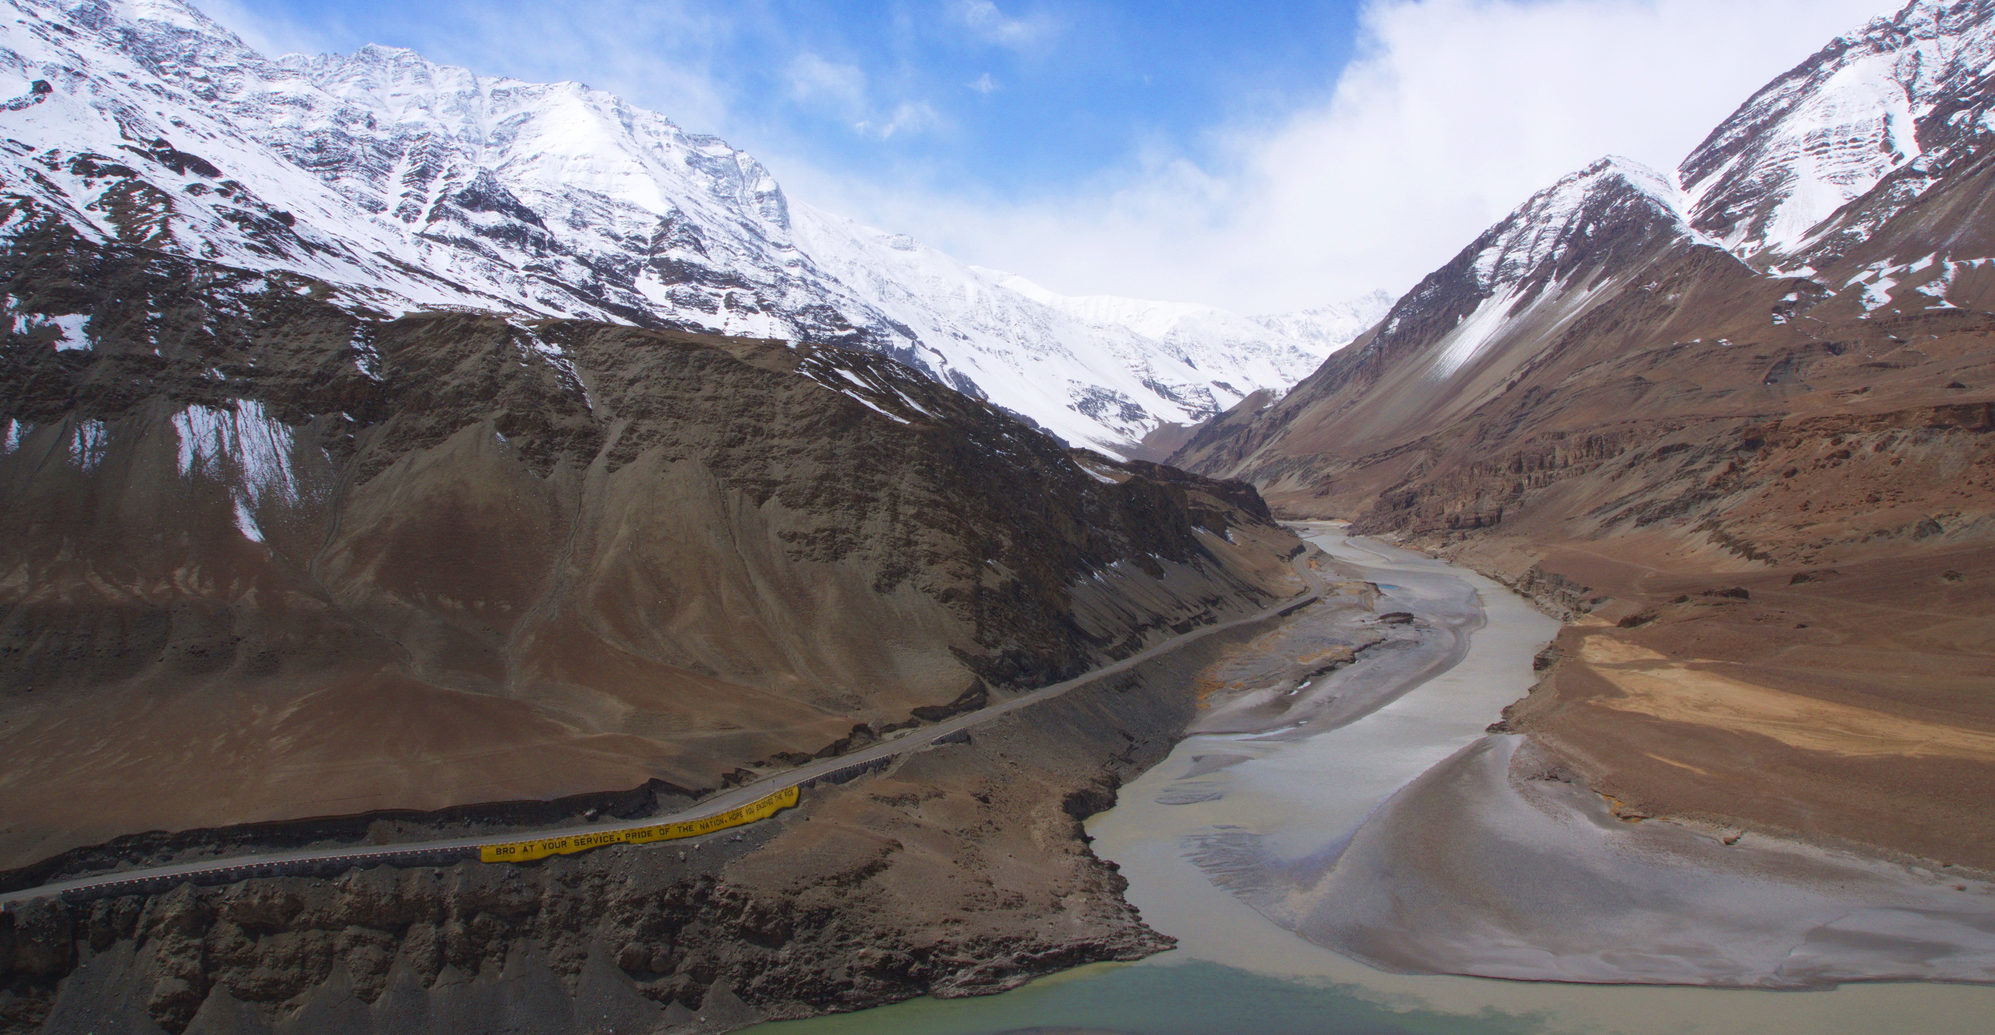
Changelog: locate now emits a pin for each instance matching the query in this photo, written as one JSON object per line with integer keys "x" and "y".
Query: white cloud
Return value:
{"x": 993, "y": 26}
{"x": 266, "y": 32}
{"x": 842, "y": 87}
{"x": 907, "y": 117}
{"x": 1453, "y": 113}
{"x": 983, "y": 84}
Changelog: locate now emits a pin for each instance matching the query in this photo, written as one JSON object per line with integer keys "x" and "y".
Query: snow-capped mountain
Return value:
{"x": 1471, "y": 328}
{"x": 1331, "y": 327}
{"x": 1799, "y": 178}
{"x": 1861, "y": 167}
{"x": 1897, "y": 94}
{"x": 1697, "y": 406}
{"x": 1540, "y": 266}
{"x": 411, "y": 185}
{"x": 1853, "y": 188}
{"x": 95, "y": 140}
{"x": 1030, "y": 350}
{"x": 1209, "y": 338}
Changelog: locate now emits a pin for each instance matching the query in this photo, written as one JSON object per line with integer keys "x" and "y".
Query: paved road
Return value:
{"x": 263, "y": 863}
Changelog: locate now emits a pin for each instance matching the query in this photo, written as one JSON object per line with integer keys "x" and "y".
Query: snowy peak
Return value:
{"x": 1831, "y": 129}
{"x": 1206, "y": 337}
{"x": 1331, "y": 327}
{"x": 1609, "y": 216}
{"x": 154, "y": 20}
{"x": 1194, "y": 328}
{"x": 406, "y": 184}
{"x": 1537, "y": 270}
{"x": 1565, "y": 224}
{"x": 119, "y": 154}
{"x": 550, "y": 139}
{"x": 1073, "y": 366}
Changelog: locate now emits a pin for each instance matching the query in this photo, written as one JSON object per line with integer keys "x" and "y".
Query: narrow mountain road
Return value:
{"x": 242, "y": 867}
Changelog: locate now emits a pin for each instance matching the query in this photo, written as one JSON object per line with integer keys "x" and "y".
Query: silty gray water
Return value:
{"x": 1203, "y": 825}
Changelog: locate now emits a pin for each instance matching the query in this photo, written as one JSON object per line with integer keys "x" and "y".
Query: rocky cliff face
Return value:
{"x": 1635, "y": 400}
{"x": 961, "y": 871}
{"x": 265, "y": 557}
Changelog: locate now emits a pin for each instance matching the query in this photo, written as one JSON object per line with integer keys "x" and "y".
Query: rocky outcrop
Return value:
{"x": 961, "y": 870}
{"x": 265, "y": 559}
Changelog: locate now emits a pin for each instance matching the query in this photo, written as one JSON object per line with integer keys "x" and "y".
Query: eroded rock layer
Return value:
{"x": 260, "y": 558}
{"x": 962, "y": 870}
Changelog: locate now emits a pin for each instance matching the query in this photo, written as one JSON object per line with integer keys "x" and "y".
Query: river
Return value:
{"x": 1198, "y": 834}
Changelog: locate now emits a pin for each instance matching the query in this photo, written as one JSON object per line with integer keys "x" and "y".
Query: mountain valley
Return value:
{"x": 1739, "y": 434}
{"x": 400, "y": 464}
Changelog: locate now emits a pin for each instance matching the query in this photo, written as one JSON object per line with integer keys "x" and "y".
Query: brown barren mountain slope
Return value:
{"x": 262, "y": 559}
{"x": 961, "y": 870}
{"x": 1767, "y": 501}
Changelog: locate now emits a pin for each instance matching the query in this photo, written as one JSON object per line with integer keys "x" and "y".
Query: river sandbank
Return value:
{"x": 1496, "y": 863}
{"x": 1238, "y": 828}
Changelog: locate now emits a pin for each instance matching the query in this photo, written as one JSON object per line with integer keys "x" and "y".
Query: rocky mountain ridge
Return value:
{"x": 409, "y": 184}
{"x": 1448, "y": 342}
{"x": 1900, "y": 92}
{"x": 1739, "y": 432}
{"x": 627, "y": 553}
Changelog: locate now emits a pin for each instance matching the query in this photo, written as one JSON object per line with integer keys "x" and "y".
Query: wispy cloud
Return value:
{"x": 983, "y": 84}
{"x": 1454, "y": 112}
{"x": 907, "y": 118}
{"x": 267, "y": 31}
{"x": 817, "y": 81}
{"x": 841, "y": 89}
{"x": 992, "y": 25}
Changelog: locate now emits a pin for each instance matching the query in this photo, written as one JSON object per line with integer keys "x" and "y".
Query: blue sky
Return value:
{"x": 1262, "y": 156}
{"x": 1012, "y": 101}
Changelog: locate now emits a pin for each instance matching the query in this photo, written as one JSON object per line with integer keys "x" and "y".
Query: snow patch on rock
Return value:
{"x": 245, "y": 449}
{"x": 89, "y": 444}
{"x": 1474, "y": 333}
{"x": 1829, "y": 131}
